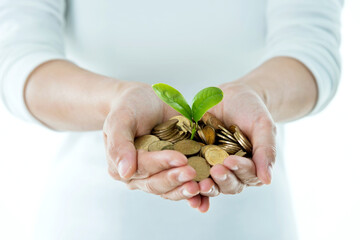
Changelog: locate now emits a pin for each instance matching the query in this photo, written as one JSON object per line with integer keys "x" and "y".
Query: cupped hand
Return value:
{"x": 245, "y": 107}
{"x": 134, "y": 112}
{"x": 242, "y": 105}
{"x": 163, "y": 173}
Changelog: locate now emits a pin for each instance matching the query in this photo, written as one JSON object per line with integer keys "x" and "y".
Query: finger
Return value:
{"x": 195, "y": 201}
{"x": 205, "y": 204}
{"x": 208, "y": 188}
{"x": 164, "y": 181}
{"x": 264, "y": 150}
{"x": 150, "y": 163}
{"x": 244, "y": 169}
{"x": 186, "y": 191}
{"x": 228, "y": 183}
{"x": 119, "y": 129}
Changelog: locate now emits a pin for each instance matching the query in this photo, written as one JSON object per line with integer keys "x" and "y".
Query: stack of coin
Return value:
{"x": 227, "y": 141}
{"x": 170, "y": 131}
{"x": 241, "y": 138}
{"x": 213, "y": 142}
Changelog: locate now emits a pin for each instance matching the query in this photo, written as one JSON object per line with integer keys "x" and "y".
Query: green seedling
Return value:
{"x": 202, "y": 102}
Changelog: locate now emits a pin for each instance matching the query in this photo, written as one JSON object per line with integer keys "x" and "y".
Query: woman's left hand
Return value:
{"x": 245, "y": 107}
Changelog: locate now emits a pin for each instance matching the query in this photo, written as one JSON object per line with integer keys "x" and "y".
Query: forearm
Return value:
{"x": 66, "y": 97}
{"x": 287, "y": 87}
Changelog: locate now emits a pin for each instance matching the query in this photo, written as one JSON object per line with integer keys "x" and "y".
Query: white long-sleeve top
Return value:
{"x": 187, "y": 44}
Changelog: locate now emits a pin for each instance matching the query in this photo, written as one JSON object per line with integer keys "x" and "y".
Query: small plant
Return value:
{"x": 202, "y": 102}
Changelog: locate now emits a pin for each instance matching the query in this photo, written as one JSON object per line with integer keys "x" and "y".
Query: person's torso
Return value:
{"x": 188, "y": 44}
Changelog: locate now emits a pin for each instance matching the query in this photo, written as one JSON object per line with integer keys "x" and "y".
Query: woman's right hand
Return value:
{"x": 134, "y": 111}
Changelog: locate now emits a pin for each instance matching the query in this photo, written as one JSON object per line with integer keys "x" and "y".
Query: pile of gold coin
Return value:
{"x": 212, "y": 143}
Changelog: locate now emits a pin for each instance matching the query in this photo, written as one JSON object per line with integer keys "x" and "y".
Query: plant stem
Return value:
{"x": 194, "y": 130}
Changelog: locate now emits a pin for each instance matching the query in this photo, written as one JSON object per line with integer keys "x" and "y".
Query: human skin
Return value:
{"x": 66, "y": 97}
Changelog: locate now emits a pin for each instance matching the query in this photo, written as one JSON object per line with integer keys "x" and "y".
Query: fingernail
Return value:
{"x": 186, "y": 193}
{"x": 183, "y": 177}
{"x": 123, "y": 167}
{"x": 234, "y": 168}
{"x": 211, "y": 189}
{"x": 222, "y": 177}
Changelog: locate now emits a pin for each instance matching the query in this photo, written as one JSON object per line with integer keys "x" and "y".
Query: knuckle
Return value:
{"x": 270, "y": 153}
{"x": 178, "y": 195}
{"x": 149, "y": 187}
{"x": 251, "y": 181}
{"x": 213, "y": 193}
{"x": 267, "y": 123}
{"x": 244, "y": 166}
{"x": 141, "y": 173}
{"x": 112, "y": 152}
{"x": 171, "y": 178}
{"x": 240, "y": 188}
{"x": 228, "y": 192}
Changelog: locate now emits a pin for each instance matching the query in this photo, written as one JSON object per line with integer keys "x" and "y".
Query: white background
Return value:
{"x": 322, "y": 156}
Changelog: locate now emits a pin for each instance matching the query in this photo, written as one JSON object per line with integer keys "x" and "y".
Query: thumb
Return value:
{"x": 119, "y": 130}
{"x": 264, "y": 150}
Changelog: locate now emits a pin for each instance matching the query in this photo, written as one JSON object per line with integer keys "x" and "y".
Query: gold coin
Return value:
{"x": 186, "y": 135}
{"x": 201, "y": 135}
{"x": 187, "y": 147}
{"x": 177, "y": 136}
{"x": 158, "y": 145}
{"x": 204, "y": 148}
{"x": 215, "y": 155}
{"x": 169, "y": 124}
{"x": 209, "y": 134}
{"x": 232, "y": 129}
{"x": 229, "y": 142}
{"x": 246, "y": 141}
{"x": 168, "y": 147}
{"x": 240, "y": 153}
{"x": 201, "y": 167}
{"x": 211, "y": 120}
{"x": 229, "y": 136}
{"x": 229, "y": 149}
{"x": 170, "y": 135}
{"x": 182, "y": 136}
{"x": 161, "y": 135}
{"x": 242, "y": 142}
{"x": 223, "y": 137}
{"x": 144, "y": 141}
{"x": 183, "y": 123}
{"x": 225, "y": 130}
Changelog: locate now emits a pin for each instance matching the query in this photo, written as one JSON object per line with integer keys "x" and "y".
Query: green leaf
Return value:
{"x": 174, "y": 98}
{"x": 204, "y": 100}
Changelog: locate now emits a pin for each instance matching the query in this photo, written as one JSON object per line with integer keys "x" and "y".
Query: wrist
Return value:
{"x": 111, "y": 88}
{"x": 286, "y": 87}
{"x": 247, "y": 86}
